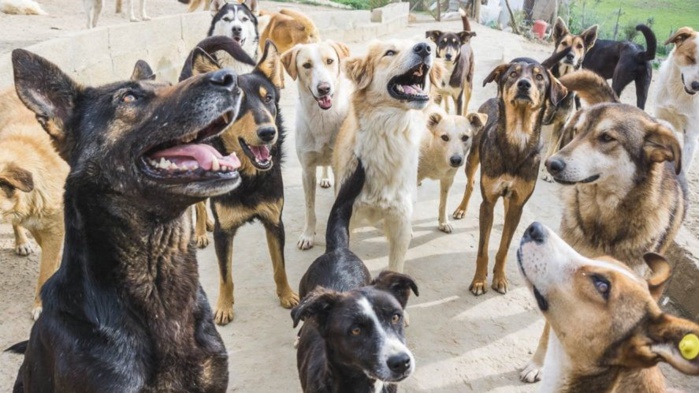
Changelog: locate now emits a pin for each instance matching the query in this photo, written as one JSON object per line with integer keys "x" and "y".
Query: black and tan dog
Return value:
{"x": 256, "y": 137}
{"x": 456, "y": 52}
{"x": 508, "y": 150}
{"x": 125, "y": 311}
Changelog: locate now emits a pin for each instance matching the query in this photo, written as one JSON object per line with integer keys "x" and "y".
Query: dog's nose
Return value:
{"x": 570, "y": 56}
{"x": 237, "y": 29}
{"x": 324, "y": 89}
{"x": 448, "y": 56}
{"x": 695, "y": 86}
{"x": 456, "y": 160}
{"x": 422, "y": 49}
{"x": 524, "y": 84}
{"x": 266, "y": 134}
{"x": 399, "y": 363}
{"x": 536, "y": 233}
{"x": 555, "y": 166}
{"x": 224, "y": 78}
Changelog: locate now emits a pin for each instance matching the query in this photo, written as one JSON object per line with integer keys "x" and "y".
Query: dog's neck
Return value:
{"x": 522, "y": 124}
{"x": 348, "y": 380}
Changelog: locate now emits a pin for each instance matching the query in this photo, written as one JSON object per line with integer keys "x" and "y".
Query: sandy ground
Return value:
{"x": 461, "y": 343}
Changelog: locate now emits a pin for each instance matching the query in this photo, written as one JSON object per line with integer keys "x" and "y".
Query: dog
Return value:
{"x": 32, "y": 175}
{"x": 456, "y": 52}
{"x": 21, "y": 7}
{"x": 609, "y": 333}
{"x": 287, "y": 28}
{"x": 353, "y": 331}
{"x": 383, "y": 130}
{"x": 323, "y": 104}
{"x": 508, "y": 149}
{"x": 677, "y": 101}
{"x": 443, "y": 150}
{"x": 239, "y": 22}
{"x": 624, "y": 62}
{"x": 256, "y": 137}
{"x": 93, "y": 9}
{"x": 125, "y": 311}
{"x": 622, "y": 194}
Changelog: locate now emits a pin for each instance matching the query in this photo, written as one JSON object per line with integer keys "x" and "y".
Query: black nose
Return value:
{"x": 555, "y": 166}
{"x": 237, "y": 29}
{"x": 324, "y": 89}
{"x": 536, "y": 233}
{"x": 224, "y": 78}
{"x": 448, "y": 56}
{"x": 266, "y": 134}
{"x": 695, "y": 86}
{"x": 422, "y": 49}
{"x": 399, "y": 363}
{"x": 570, "y": 56}
{"x": 524, "y": 84}
{"x": 456, "y": 160}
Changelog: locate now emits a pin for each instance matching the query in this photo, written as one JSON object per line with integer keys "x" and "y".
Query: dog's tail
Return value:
{"x": 337, "y": 233}
{"x": 589, "y": 86}
{"x": 464, "y": 19}
{"x": 556, "y": 57}
{"x": 651, "y": 43}
{"x": 18, "y": 348}
{"x": 212, "y": 45}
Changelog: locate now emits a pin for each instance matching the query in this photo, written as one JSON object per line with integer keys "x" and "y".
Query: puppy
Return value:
{"x": 93, "y": 9}
{"x": 21, "y": 7}
{"x": 238, "y": 22}
{"x": 288, "y": 28}
{"x": 323, "y": 104}
{"x": 608, "y": 332}
{"x": 442, "y": 151}
{"x": 677, "y": 101}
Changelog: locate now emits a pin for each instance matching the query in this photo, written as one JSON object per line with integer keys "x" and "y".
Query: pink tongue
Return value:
{"x": 325, "y": 102}
{"x": 410, "y": 90}
{"x": 260, "y": 152}
{"x": 203, "y": 154}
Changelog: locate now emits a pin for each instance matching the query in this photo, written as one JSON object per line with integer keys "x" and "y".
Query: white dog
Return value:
{"x": 21, "y": 7}
{"x": 324, "y": 94}
{"x": 93, "y": 8}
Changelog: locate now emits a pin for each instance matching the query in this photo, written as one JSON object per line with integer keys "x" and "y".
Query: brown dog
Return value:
{"x": 288, "y": 28}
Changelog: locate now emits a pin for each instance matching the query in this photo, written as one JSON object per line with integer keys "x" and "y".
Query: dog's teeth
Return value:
{"x": 215, "y": 165}
{"x": 226, "y": 117}
{"x": 400, "y": 88}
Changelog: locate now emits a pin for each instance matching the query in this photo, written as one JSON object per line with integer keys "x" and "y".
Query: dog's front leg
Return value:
{"x": 23, "y": 246}
{"x": 325, "y": 177}
{"x": 202, "y": 225}
{"x": 142, "y": 8}
{"x": 478, "y": 285}
{"x": 309, "y": 191}
{"x": 513, "y": 212}
{"x": 690, "y": 145}
{"x": 51, "y": 242}
{"x": 472, "y": 163}
{"x": 275, "y": 242}
{"x": 223, "y": 243}
{"x": 399, "y": 232}
{"x": 444, "y": 187}
{"x": 532, "y": 371}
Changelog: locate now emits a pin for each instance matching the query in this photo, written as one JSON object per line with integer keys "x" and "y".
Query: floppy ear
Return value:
{"x": 398, "y": 284}
{"x": 437, "y": 71}
{"x": 559, "y": 29}
{"x": 477, "y": 120}
{"x": 680, "y": 36}
{"x": 661, "y": 272}
{"x": 359, "y": 70}
{"x": 589, "y": 37}
{"x": 317, "y": 303}
{"x": 675, "y": 341}
{"x": 216, "y": 6}
{"x": 495, "y": 73}
{"x": 271, "y": 66}
{"x": 202, "y": 62}
{"x": 142, "y": 72}
{"x": 341, "y": 49}
{"x": 433, "y": 120}
{"x": 660, "y": 144}
{"x": 465, "y": 36}
{"x": 17, "y": 178}
{"x": 433, "y": 35}
{"x": 49, "y": 93}
{"x": 557, "y": 92}
{"x": 288, "y": 60}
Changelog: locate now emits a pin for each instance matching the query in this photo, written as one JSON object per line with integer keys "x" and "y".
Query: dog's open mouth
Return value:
{"x": 240, "y": 40}
{"x": 186, "y": 160}
{"x": 583, "y": 181}
{"x": 410, "y": 86}
{"x": 260, "y": 156}
{"x": 325, "y": 102}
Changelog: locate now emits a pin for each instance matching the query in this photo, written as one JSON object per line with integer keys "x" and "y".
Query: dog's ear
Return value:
{"x": 661, "y": 272}
{"x": 398, "y": 284}
{"x": 433, "y": 120}
{"x": 17, "y": 178}
{"x": 318, "y": 304}
{"x": 437, "y": 71}
{"x": 360, "y": 70}
{"x": 142, "y": 72}
{"x": 202, "y": 62}
{"x": 289, "y": 61}
{"x": 680, "y": 36}
{"x": 477, "y": 120}
{"x": 557, "y": 92}
{"x": 253, "y": 6}
{"x": 660, "y": 144}
{"x": 216, "y": 6}
{"x": 433, "y": 35}
{"x": 270, "y": 65}
{"x": 495, "y": 73}
{"x": 341, "y": 49}
{"x": 671, "y": 339}
{"x": 49, "y": 93}
{"x": 465, "y": 36}
{"x": 589, "y": 37}
{"x": 559, "y": 30}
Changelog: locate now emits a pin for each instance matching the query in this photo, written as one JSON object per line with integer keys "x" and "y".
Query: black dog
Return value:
{"x": 125, "y": 311}
{"x": 352, "y": 339}
{"x": 624, "y": 62}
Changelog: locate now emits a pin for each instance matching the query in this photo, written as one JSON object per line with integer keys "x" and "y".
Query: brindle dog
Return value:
{"x": 125, "y": 311}
{"x": 509, "y": 149}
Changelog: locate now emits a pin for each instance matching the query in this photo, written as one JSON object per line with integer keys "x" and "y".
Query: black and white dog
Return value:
{"x": 239, "y": 22}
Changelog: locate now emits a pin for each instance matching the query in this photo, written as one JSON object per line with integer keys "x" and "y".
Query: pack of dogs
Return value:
{"x": 117, "y": 184}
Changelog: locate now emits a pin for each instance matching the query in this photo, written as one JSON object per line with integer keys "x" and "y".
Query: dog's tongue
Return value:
{"x": 260, "y": 152}
{"x": 414, "y": 90}
{"x": 325, "y": 102}
{"x": 204, "y": 155}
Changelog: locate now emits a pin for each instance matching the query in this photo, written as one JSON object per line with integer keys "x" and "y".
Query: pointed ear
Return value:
{"x": 202, "y": 62}
{"x": 49, "y": 93}
{"x": 680, "y": 36}
{"x": 270, "y": 65}
{"x": 675, "y": 341}
{"x": 557, "y": 92}
{"x": 216, "y": 6}
{"x": 317, "y": 304}
{"x": 289, "y": 61}
{"x": 252, "y": 5}
{"x": 465, "y": 36}
{"x": 495, "y": 73}
{"x": 341, "y": 49}
{"x": 360, "y": 71}
{"x": 17, "y": 178}
{"x": 437, "y": 71}
{"x": 660, "y": 144}
{"x": 589, "y": 37}
{"x": 433, "y": 35}
{"x": 477, "y": 120}
{"x": 433, "y": 120}
{"x": 559, "y": 29}
{"x": 398, "y": 284}
{"x": 661, "y": 272}
{"x": 142, "y": 72}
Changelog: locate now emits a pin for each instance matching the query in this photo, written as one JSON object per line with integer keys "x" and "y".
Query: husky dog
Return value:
{"x": 239, "y": 22}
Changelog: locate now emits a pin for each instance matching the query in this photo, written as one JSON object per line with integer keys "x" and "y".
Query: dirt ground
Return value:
{"x": 461, "y": 343}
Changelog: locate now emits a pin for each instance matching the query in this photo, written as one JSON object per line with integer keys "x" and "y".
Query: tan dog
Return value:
{"x": 609, "y": 333}
{"x": 288, "y": 28}
{"x": 443, "y": 150}
{"x": 383, "y": 129}
{"x": 32, "y": 175}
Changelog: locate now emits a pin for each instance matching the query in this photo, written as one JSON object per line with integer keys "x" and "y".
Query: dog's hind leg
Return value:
{"x": 325, "y": 177}
{"x": 398, "y": 231}
{"x": 223, "y": 243}
{"x": 471, "y": 167}
{"x": 275, "y": 241}
{"x": 202, "y": 223}
{"x": 309, "y": 191}
{"x": 642, "y": 86}
{"x": 444, "y": 186}
{"x": 532, "y": 371}
{"x": 23, "y": 246}
{"x": 621, "y": 79}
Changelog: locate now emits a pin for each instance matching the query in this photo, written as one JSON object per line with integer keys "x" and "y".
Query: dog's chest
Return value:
{"x": 317, "y": 129}
{"x": 443, "y": 87}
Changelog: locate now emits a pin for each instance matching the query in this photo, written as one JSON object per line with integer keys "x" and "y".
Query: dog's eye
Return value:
{"x": 579, "y": 46}
{"x": 128, "y": 98}
{"x": 329, "y": 61}
{"x": 606, "y": 138}
{"x": 356, "y": 331}
{"x": 307, "y": 66}
{"x": 227, "y": 19}
{"x": 602, "y": 286}
{"x": 539, "y": 77}
{"x": 268, "y": 98}
{"x": 390, "y": 53}
{"x": 244, "y": 19}
{"x": 445, "y": 138}
{"x": 464, "y": 138}
{"x": 513, "y": 74}
{"x": 395, "y": 318}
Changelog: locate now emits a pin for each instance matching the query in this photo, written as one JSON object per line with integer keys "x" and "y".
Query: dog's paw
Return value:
{"x": 478, "y": 287}
{"x": 297, "y": 341}
{"x": 446, "y": 227}
{"x": 36, "y": 311}
{"x": 209, "y": 225}
{"x": 545, "y": 176}
{"x": 531, "y": 372}
{"x": 223, "y": 316}
{"x": 459, "y": 213}
{"x": 202, "y": 241}
{"x": 500, "y": 284}
{"x": 325, "y": 183}
{"x": 305, "y": 241}
{"x": 24, "y": 249}
{"x": 289, "y": 300}
{"x": 145, "y": 17}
